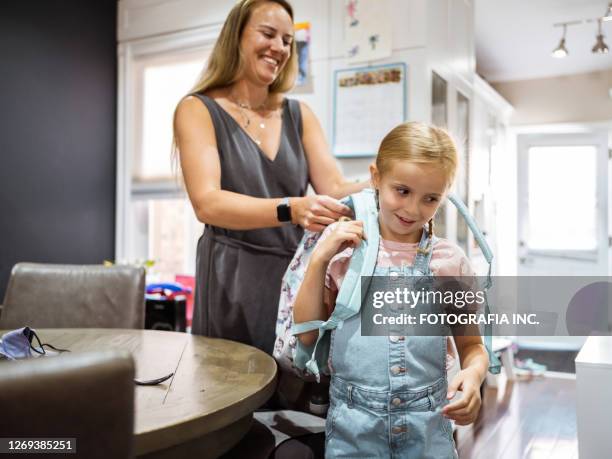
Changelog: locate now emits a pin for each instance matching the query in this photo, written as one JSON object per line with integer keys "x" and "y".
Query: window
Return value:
{"x": 161, "y": 81}
{"x": 166, "y": 231}
{"x": 155, "y": 220}
{"x": 563, "y": 204}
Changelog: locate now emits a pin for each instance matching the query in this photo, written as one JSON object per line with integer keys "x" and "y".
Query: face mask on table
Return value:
{"x": 17, "y": 344}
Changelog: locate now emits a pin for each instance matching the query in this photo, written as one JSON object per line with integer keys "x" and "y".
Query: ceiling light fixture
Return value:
{"x": 561, "y": 51}
{"x": 600, "y": 45}
{"x": 608, "y": 15}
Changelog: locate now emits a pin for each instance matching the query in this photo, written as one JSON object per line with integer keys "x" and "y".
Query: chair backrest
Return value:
{"x": 86, "y": 396}
{"x": 74, "y": 296}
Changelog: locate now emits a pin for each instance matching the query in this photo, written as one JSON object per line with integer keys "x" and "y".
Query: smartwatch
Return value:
{"x": 283, "y": 211}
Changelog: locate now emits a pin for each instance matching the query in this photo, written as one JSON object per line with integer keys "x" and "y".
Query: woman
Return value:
{"x": 247, "y": 156}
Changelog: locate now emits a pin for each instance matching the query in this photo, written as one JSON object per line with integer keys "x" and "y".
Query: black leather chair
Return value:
{"x": 74, "y": 296}
{"x": 87, "y": 396}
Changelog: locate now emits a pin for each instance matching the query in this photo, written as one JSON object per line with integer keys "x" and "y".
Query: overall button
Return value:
{"x": 398, "y": 429}
{"x": 396, "y": 401}
{"x": 396, "y": 370}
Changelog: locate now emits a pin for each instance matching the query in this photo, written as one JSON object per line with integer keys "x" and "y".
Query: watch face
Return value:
{"x": 283, "y": 213}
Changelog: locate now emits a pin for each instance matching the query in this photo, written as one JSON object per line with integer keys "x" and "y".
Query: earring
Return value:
{"x": 376, "y": 199}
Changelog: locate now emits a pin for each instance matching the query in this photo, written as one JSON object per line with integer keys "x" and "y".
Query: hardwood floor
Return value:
{"x": 532, "y": 418}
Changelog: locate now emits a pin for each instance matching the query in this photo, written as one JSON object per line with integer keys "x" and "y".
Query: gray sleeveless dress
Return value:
{"x": 239, "y": 272}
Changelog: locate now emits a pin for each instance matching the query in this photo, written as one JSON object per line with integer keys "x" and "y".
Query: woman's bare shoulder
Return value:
{"x": 193, "y": 122}
{"x": 191, "y": 109}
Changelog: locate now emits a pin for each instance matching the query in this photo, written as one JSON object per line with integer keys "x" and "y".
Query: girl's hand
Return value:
{"x": 465, "y": 410}
{"x": 345, "y": 234}
{"x": 315, "y": 212}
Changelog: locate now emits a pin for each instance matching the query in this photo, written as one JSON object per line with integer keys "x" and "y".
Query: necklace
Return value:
{"x": 243, "y": 107}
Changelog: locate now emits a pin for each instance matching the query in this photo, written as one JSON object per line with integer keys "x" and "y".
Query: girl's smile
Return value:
{"x": 409, "y": 194}
{"x": 405, "y": 221}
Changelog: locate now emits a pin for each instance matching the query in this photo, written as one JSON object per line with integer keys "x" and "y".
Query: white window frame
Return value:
{"x": 127, "y": 54}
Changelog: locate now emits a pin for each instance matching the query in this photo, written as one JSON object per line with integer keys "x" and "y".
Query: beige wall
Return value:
{"x": 566, "y": 99}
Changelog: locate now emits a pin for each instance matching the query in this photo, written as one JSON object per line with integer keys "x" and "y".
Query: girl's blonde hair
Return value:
{"x": 421, "y": 143}
{"x": 226, "y": 61}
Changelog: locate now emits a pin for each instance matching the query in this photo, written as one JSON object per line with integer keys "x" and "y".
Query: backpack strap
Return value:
{"x": 478, "y": 236}
{"x": 363, "y": 260}
{"x": 362, "y": 263}
{"x": 494, "y": 363}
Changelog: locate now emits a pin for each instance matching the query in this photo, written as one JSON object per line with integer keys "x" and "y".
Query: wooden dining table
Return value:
{"x": 205, "y": 408}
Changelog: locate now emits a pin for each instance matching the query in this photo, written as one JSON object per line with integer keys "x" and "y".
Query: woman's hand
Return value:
{"x": 465, "y": 410}
{"x": 315, "y": 212}
{"x": 345, "y": 234}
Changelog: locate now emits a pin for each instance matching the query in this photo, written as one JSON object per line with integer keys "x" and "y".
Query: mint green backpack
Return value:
{"x": 309, "y": 361}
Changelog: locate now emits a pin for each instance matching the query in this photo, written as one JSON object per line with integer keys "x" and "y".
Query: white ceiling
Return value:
{"x": 514, "y": 38}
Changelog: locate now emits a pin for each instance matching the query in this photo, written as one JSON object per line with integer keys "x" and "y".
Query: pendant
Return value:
{"x": 262, "y": 126}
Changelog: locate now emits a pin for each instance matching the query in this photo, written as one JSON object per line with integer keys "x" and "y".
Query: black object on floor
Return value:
{"x": 561, "y": 361}
{"x": 259, "y": 443}
{"x": 310, "y": 446}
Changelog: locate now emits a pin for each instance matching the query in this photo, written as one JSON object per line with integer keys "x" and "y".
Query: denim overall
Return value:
{"x": 387, "y": 392}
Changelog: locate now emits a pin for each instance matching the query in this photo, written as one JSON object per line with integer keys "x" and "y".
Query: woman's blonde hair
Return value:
{"x": 226, "y": 61}
{"x": 421, "y": 143}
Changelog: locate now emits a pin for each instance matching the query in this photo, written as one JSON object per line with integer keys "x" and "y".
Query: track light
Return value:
{"x": 561, "y": 51}
{"x": 608, "y": 15}
{"x": 600, "y": 45}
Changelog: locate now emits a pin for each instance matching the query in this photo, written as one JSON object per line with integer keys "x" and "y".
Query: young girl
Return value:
{"x": 389, "y": 395}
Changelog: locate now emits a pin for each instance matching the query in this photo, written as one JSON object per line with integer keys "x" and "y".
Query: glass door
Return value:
{"x": 563, "y": 208}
